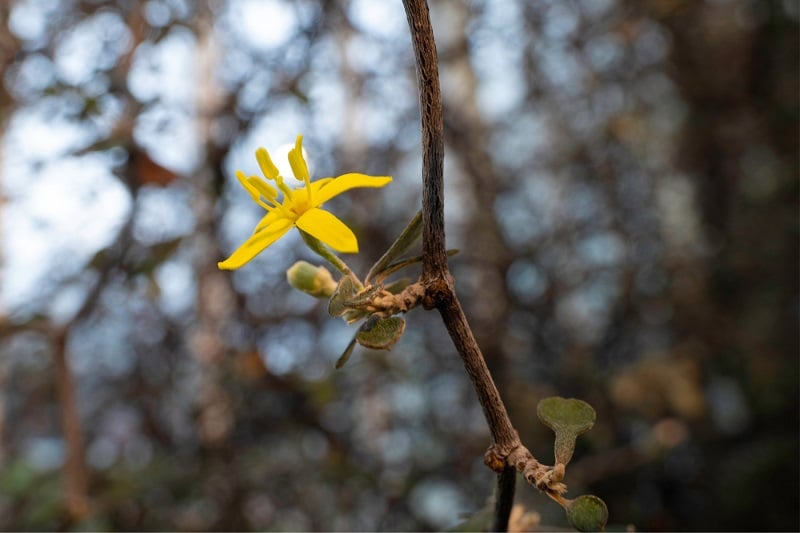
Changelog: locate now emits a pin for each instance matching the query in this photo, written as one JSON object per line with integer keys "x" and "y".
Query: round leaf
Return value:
{"x": 557, "y": 413}
{"x": 587, "y": 513}
{"x": 568, "y": 418}
{"x": 383, "y": 334}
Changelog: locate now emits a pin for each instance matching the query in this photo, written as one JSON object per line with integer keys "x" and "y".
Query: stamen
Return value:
{"x": 268, "y": 208}
{"x": 266, "y": 190}
{"x": 267, "y": 166}
{"x": 299, "y": 166}
{"x": 287, "y": 192}
{"x": 252, "y": 191}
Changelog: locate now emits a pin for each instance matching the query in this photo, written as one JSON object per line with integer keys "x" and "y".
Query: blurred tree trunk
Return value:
{"x": 739, "y": 145}
{"x": 76, "y": 476}
{"x": 213, "y": 290}
{"x": 215, "y": 296}
{"x": 9, "y": 46}
{"x": 736, "y": 65}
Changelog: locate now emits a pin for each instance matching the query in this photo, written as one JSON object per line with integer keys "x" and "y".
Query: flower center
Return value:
{"x": 300, "y": 206}
{"x": 294, "y": 203}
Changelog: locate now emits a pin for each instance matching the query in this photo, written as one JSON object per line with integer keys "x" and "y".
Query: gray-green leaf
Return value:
{"x": 568, "y": 418}
{"x": 346, "y": 354}
{"x": 381, "y": 334}
{"x": 390, "y": 269}
{"x": 587, "y": 513}
{"x": 410, "y": 234}
{"x": 347, "y": 288}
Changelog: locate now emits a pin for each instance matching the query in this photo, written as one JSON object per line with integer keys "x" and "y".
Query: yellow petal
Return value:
{"x": 346, "y": 182}
{"x": 255, "y": 245}
{"x": 270, "y": 218}
{"x": 328, "y": 229}
{"x": 265, "y": 162}
{"x": 252, "y": 191}
{"x": 318, "y": 184}
{"x": 298, "y": 163}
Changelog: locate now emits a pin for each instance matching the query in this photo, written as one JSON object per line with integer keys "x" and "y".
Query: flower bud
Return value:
{"x": 313, "y": 280}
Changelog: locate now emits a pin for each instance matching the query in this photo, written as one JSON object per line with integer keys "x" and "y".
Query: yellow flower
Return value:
{"x": 299, "y": 207}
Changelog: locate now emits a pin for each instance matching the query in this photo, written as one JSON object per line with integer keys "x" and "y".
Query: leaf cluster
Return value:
{"x": 373, "y": 301}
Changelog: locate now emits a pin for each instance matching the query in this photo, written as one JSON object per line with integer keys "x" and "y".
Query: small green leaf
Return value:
{"x": 390, "y": 269}
{"x": 347, "y": 353}
{"x": 587, "y": 513}
{"x": 568, "y": 418}
{"x": 410, "y": 234}
{"x": 381, "y": 334}
{"x": 566, "y": 413}
{"x": 346, "y": 289}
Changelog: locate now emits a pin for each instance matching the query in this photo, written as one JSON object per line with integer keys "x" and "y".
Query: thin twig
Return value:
{"x": 434, "y": 267}
{"x": 504, "y": 499}
{"x": 436, "y": 278}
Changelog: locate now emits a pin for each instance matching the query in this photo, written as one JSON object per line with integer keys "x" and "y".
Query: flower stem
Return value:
{"x": 321, "y": 250}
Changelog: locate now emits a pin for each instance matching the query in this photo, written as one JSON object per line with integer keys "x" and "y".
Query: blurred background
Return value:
{"x": 622, "y": 184}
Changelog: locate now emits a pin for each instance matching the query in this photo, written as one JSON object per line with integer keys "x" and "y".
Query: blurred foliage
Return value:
{"x": 621, "y": 182}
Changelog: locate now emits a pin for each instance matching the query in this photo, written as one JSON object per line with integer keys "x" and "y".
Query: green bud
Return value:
{"x": 313, "y": 280}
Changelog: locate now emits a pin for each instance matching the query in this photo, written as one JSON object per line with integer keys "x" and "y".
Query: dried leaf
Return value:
{"x": 364, "y": 296}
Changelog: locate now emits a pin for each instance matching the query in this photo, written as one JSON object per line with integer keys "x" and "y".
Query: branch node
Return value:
{"x": 438, "y": 292}
{"x": 494, "y": 460}
{"x": 545, "y": 478}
